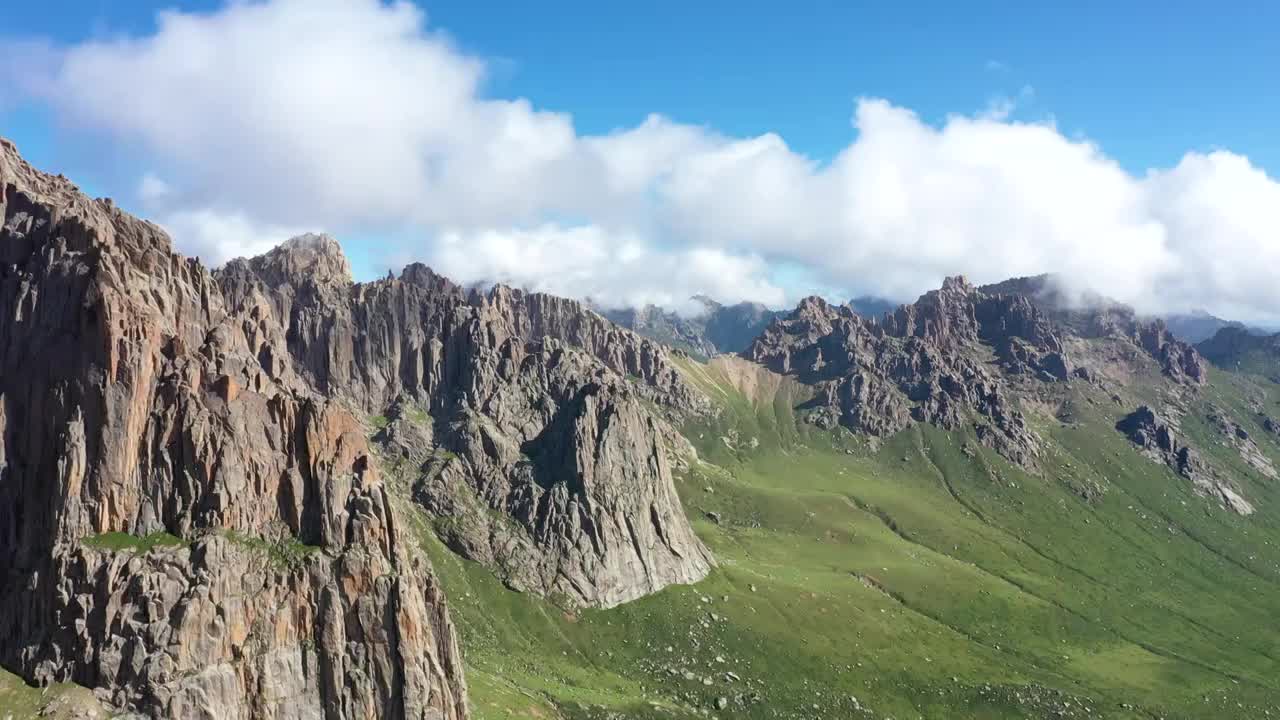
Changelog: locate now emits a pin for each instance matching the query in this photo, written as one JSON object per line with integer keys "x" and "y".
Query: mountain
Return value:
{"x": 718, "y": 329}
{"x": 268, "y": 491}
{"x": 929, "y": 362}
{"x": 1198, "y": 325}
{"x": 1193, "y": 327}
{"x": 1236, "y": 348}
{"x": 211, "y": 481}
{"x": 715, "y": 330}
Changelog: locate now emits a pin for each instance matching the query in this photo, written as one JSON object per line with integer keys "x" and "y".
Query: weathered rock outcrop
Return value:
{"x": 1095, "y": 317}
{"x": 556, "y": 474}
{"x": 928, "y": 361}
{"x": 922, "y": 363}
{"x": 134, "y": 400}
{"x": 1157, "y": 438}
{"x": 1234, "y": 435}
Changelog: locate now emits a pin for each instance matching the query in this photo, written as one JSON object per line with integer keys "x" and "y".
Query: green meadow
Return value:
{"x": 922, "y": 578}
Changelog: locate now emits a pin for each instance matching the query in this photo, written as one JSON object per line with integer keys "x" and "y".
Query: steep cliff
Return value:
{"x": 184, "y": 526}
{"x": 193, "y": 521}
{"x": 529, "y": 426}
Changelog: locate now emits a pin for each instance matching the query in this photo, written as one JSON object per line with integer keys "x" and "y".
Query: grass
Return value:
{"x": 287, "y": 552}
{"x": 61, "y": 701}
{"x": 124, "y": 542}
{"x": 917, "y": 581}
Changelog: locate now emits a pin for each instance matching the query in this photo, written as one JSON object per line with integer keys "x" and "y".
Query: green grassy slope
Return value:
{"x": 925, "y": 579}
{"x": 62, "y": 701}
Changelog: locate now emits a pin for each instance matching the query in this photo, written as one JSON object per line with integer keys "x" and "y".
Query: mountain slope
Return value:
{"x": 512, "y": 416}
{"x": 918, "y": 572}
{"x": 1238, "y": 349}
{"x": 1198, "y": 325}
{"x": 925, "y": 578}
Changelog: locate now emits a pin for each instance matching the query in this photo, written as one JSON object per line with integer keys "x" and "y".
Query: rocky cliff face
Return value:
{"x": 525, "y": 423}
{"x": 922, "y": 363}
{"x": 1095, "y": 317}
{"x": 136, "y": 403}
{"x": 193, "y": 521}
{"x": 930, "y": 361}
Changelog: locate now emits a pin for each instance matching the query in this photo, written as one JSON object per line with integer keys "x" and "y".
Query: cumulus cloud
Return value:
{"x": 356, "y": 116}
{"x": 216, "y": 237}
{"x": 152, "y": 189}
{"x": 613, "y": 270}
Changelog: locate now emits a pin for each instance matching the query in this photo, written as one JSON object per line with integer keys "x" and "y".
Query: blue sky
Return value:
{"x": 646, "y": 152}
{"x": 1146, "y": 80}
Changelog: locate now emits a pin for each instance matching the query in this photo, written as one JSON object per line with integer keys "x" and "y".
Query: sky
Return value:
{"x": 647, "y": 152}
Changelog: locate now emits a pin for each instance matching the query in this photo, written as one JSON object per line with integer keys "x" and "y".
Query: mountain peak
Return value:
{"x": 311, "y": 258}
{"x": 957, "y": 284}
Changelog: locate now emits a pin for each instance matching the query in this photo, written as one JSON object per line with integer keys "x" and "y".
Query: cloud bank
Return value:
{"x": 357, "y": 117}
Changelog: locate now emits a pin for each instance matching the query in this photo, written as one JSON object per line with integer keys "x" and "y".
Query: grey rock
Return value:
{"x": 1158, "y": 439}
{"x": 1096, "y": 317}
{"x": 921, "y": 363}
{"x": 928, "y": 361}
{"x": 1234, "y": 435}
{"x": 134, "y": 398}
{"x": 559, "y": 469}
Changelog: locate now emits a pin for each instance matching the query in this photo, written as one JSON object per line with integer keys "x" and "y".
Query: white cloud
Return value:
{"x": 152, "y": 189}
{"x": 612, "y": 270}
{"x": 353, "y": 115}
{"x": 216, "y": 237}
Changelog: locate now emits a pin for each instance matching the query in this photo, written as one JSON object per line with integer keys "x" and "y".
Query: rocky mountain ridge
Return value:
{"x": 951, "y": 358}
{"x": 1199, "y": 325}
{"x": 133, "y": 405}
{"x": 194, "y": 520}
{"x": 528, "y": 405}
{"x": 211, "y": 483}
{"x": 1233, "y": 347}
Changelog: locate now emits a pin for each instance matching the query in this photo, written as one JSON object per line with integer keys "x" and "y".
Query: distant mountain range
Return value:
{"x": 1235, "y": 348}
{"x": 1198, "y": 326}
{"x": 719, "y": 329}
